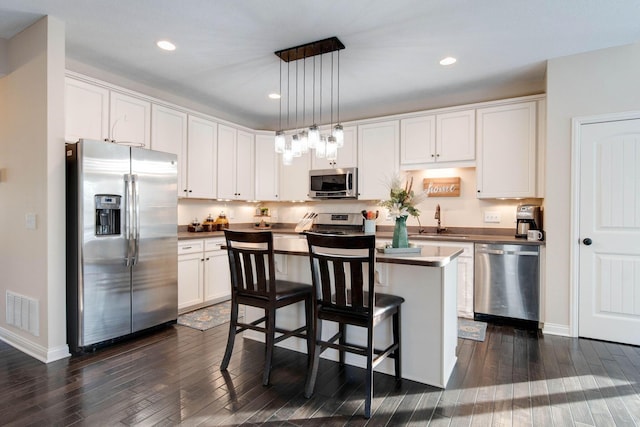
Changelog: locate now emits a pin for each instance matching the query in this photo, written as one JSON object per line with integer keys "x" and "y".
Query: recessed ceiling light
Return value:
{"x": 274, "y": 95}
{"x": 166, "y": 45}
{"x": 448, "y": 60}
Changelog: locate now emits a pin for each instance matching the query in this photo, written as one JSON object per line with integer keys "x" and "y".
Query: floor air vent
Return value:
{"x": 22, "y": 312}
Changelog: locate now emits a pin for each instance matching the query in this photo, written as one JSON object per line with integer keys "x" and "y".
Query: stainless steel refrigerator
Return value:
{"x": 121, "y": 241}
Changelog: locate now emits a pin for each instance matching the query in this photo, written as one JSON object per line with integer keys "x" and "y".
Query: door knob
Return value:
{"x": 587, "y": 241}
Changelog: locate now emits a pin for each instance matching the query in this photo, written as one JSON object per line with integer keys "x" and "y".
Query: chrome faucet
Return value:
{"x": 439, "y": 228}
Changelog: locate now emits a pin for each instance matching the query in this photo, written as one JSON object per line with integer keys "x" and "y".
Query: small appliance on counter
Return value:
{"x": 528, "y": 217}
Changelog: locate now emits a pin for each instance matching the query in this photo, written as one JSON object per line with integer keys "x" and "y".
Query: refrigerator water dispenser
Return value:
{"x": 107, "y": 214}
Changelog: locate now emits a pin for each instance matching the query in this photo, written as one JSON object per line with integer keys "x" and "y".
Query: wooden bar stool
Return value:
{"x": 338, "y": 267}
{"x": 253, "y": 283}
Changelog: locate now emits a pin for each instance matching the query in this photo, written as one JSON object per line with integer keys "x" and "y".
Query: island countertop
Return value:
{"x": 429, "y": 256}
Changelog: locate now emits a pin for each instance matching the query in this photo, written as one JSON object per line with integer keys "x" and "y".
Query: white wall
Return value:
{"x": 32, "y": 262}
{"x": 599, "y": 82}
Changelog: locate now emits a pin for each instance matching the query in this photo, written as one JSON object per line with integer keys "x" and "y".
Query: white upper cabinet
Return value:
{"x": 267, "y": 169}
{"x": 378, "y": 158}
{"x": 130, "y": 120}
{"x": 417, "y": 140}
{"x": 438, "y": 140}
{"x": 169, "y": 134}
{"x": 506, "y": 161}
{"x": 456, "y": 137}
{"x": 235, "y": 161}
{"x": 86, "y": 111}
{"x": 347, "y": 155}
{"x": 201, "y": 151}
{"x": 294, "y": 178}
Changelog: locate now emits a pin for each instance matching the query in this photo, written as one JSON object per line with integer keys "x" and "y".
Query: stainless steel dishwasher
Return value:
{"x": 506, "y": 281}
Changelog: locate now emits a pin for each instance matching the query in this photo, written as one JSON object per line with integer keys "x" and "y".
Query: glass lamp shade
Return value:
{"x": 321, "y": 148}
{"x": 279, "y": 142}
{"x": 314, "y": 136}
{"x": 338, "y": 134}
{"x": 332, "y": 148}
{"x": 296, "y": 149}
{"x": 287, "y": 154}
{"x": 287, "y": 158}
{"x": 304, "y": 141}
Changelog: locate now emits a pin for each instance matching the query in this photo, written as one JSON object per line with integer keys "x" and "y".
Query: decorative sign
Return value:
{"x": 442, "y": 187}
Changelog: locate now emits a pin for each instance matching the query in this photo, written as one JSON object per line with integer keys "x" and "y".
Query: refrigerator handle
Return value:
{"x": 136, "y": 219}
{"x": 128, "y": 223}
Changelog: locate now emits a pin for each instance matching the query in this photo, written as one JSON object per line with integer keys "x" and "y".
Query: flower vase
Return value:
{"x": 400, "y": 236}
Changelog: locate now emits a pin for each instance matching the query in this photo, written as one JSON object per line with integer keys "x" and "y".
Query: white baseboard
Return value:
{"x": 556, "y": 329}
{"x": 43, "y": 354}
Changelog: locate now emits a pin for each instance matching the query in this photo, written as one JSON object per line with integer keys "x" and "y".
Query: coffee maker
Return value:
{"x": 528, "y": 217}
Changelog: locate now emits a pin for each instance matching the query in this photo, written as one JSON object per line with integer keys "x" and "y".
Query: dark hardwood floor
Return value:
{"x": 172, "y": 377}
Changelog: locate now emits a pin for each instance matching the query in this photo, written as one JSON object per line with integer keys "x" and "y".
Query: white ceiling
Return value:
{"x": 225, "y": 58}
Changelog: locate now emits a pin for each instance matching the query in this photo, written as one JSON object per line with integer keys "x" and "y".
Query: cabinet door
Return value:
{"x": 456, "y": 136}
{"x": 267, "y": 169}
{"x": 378, "y": 158}
{"x": 86, "y": 111}
{"x": 169, "y": 134}
{"x": 465, "y": 276}
{"x": 294, "y": 179}
{"x": 226, "y": 162}
{"x": 347, "y": 155}
{"x": 217, "y": 285}
{"x": 417, "y": 140}
{"x": 201, "y": 149}
{"x": 465, "y": 287}
{"x": 506, "y": 160}
{"x": 244, "y": 166}
{"x": 190, "y": 279}
{"x": 130, "y": 120}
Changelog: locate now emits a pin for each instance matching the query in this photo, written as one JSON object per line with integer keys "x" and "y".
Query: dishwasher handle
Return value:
{"x": 506, "y": 252}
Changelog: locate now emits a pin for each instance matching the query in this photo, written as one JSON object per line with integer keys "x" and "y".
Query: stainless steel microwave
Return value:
{"x": 333, "y": 183}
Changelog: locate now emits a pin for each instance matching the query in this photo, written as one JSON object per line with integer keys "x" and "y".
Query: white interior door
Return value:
{"x": 609, "y": 223}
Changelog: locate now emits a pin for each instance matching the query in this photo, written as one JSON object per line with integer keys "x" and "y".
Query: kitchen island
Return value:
{"x": 427, "y": 280}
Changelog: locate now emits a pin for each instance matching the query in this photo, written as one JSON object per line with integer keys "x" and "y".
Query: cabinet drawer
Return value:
{"x": 190, "y": 247}
{"x": 213, "y": 244}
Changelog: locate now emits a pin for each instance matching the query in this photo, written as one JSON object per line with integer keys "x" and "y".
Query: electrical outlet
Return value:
{"x": 231, "y": 214}
{"x": 492, "y": 216}
{"x": 30, "y": 221}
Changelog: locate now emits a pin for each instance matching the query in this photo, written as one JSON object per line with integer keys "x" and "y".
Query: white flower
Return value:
{"x": 397, "y": 211}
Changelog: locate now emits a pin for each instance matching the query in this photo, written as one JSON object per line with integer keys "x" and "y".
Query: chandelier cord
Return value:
{"x": 331, "y": 109}
{"x": 280, "y": 114}
{"x": 338, "y": 85}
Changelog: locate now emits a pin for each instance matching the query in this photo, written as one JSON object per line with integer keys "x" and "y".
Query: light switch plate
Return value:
{"x": 492, "y": 216}
{"x": 30, "y": 221}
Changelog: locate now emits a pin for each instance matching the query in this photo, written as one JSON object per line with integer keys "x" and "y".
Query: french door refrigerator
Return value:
{"x": 121, "y": 241}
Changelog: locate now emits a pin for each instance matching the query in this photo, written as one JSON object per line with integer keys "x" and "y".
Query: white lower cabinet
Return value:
{"x": 203, "y": 274}
{"x": 190, "y": 273}
{"x": 465, "y": 276}
{"x": 217, "y": 278}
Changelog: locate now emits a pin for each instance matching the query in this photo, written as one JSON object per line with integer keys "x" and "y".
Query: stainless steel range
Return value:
{"x": 338, "y": 223}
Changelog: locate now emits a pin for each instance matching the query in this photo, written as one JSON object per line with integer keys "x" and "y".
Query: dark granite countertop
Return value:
{"x": 415, "y": 237}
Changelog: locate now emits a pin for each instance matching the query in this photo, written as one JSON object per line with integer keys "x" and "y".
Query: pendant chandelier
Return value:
{"x": 306, "y": 136}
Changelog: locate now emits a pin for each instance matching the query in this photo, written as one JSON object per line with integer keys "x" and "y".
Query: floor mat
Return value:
{"x": 471, "y": 330}
{"x": 208, "y": 317}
